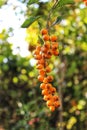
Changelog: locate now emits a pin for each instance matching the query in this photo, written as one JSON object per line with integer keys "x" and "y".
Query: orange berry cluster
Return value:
{"x": 42, "y": 54}
{"x": 85, "y": 1}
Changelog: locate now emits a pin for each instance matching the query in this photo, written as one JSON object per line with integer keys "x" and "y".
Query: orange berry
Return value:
{"x": 54, "y": 46}
{"x": 49, "y": 52}
{"x": 48, "y": 86}
{"x": 38, "y": 48}
{"x": 45, "y": 80}
{"x": 38, "y": 57}
{"x": 41, "y": 61}
{"x": 49, "y": 103}
{"x": 53, "y": 38}
{"x": 46, "y": 37}
{"x": 48, "y": 69}
{"x": 42, "y": 72}
{"x": 39, "y": 66}
{"x": 44, "y": 49}
{"x": 45, "y": 92}
{"x": 47, "y": 97}
{"x": 41, "y": 78}
{"x": 36, "y": 52}
{"x": 42, "y": 86}
{"x": 47, "y": 56}
{"x": 53, "y": 90}
{"x": 52, "y": 108}
{"x": 50, "y": 78}
{"x": 55, "y": 98}
{"x": 56, "y": 53}
{"x": 57, "y": 104}
{"x": 47, "y": 44}
{"x": 44, "y": 31}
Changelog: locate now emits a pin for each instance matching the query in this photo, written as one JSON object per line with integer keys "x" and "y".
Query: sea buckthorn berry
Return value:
{"x": 42, "y": 86}
{"x": 38, "y": 48}
{"x": 53, "y": 38}
{"x": 47, "y": 97}
{"x": 44, "y": 31}
{"x": 50, "y": 78}
{"x": 47, "y": 56}
{"x": 41, "y": 61}
{"x": 38, "y": 57}
{"x": 48, "y": 86}
{"x": 54, "y": 46}
{"x": 52, "y": 108}
{"x": 45, "y": 92}
{"x": 39, "y": 66}
{"x": 36, "y": 52}
{"x": 44, "y": 49}
{"x": 48, "y": 69}
{"x": 55, "y": 98}
{"x": 49, "y": 53}
{"x": 41, "y": 78}
{"x": 57, "y": 104}
{"x": 46, "y": 37}
{"x": 53, "y": 90}
{"x": 56, "y": 53}
{"x": 47, "y": 44}
{"x": 42, "y": 72}
{"x": 45, "y": 80}
{"x": 49, "y": 103}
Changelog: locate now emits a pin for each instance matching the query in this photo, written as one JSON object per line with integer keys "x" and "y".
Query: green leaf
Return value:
{"x": 57, "y": 21}
{"x": 32, "y": 2}
{"x": 41, "y": 40}
{"x": 29, "y": 21}
{"x": 64, "y": 2}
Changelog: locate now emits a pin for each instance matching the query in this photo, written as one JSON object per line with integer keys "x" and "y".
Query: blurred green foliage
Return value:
{"x": 21, "y": 103}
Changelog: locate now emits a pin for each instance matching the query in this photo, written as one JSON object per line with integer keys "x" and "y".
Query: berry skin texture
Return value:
{"x": 55, "y": 53}
{"x": 42, "y": 86}
{"x": 52, "y": 108}
{"x": 46, "y": 37}
{"x": 48, "y": 69}
{"x": 56, "y": 104}
{"x": 45, "y": 92}
{"x": 40, "y": 78}
{"x": 44, "y": 31}
{"x": 45, "y": 80}
{"x": 53, "y": 38}
{"x": 47, "y": 44}
{"x": 42, "y": 72}
{"x": 54, "y": 46}
{"x": 49, "y": 103}
{"x": 47, "y": 97}
{"x": 39, "y": 66}
{"x": 50, "y": 78}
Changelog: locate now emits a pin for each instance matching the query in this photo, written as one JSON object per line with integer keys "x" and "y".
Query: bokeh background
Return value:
{"x": 21, "y": 103}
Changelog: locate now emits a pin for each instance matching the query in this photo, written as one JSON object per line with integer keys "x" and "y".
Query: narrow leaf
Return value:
{"x": 29, "y": 21}
{"x": 41, "y": 40}
{"x": 32, "y": 2}
{"x": 64, "y": 2}
{"x": 57, "y": 21}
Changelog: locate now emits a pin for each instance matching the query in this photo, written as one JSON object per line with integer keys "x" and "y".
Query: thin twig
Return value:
{"x": 49, "y": 15}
